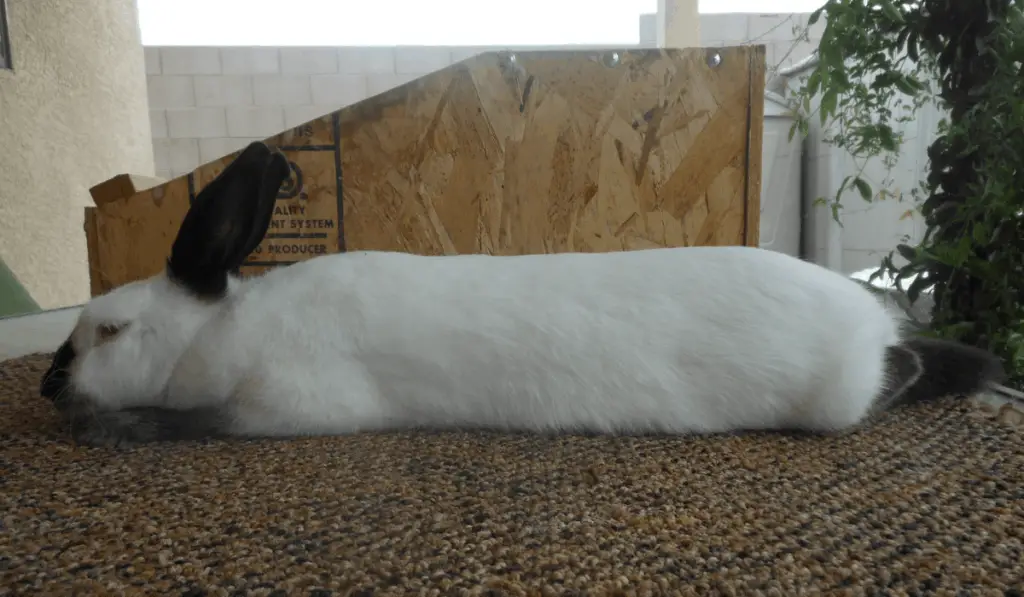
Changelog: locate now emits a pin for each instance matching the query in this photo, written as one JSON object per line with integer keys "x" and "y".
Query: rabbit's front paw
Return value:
{"x": 111, "y": 429}
{"x": 131, "y": 427}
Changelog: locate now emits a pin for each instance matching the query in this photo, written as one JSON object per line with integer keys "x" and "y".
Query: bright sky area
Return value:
{"x": 413, "y": 22}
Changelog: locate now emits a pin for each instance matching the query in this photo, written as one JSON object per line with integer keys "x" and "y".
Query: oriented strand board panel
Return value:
{"x": 121, "y": 186}
{"x": 503, "y": 153}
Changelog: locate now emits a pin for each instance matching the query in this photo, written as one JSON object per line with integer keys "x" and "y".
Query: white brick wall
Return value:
{"x": 296, "y": 115}
{"x": 223, "y": 90}
{"x": 190, "y": 61}
{"x": 216, "y": 147}
{"x": 379, "y": 83}
{"x": 338, "y": 90}
{"x": 171, "y": 92}
{"x": 158, "y": 124}
{"x": 282, "y": 90}
{"x": 249, "y": 61}
{"x": 309, "y": 61}
{"x": 206, "y": 102}
{"x": 354, "y": 61}
{"x": 781, "y": 34}
{"x": 183, "y": 123}
{"x": 254, "y": 121}
{"x": 413, "y": 61}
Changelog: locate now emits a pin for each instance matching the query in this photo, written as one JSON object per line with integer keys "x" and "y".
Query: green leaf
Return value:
{"x": 980, "y": 233}
{"x": 835, "y": 212}
{"x": 891, "y": 12}
{"x": 815, "y": 16}
{"x": 828, "y": 105}
{"x": 919, "y": 284}
{"x": 831, "y": 56}
{"x": 907, "y": 252}
{"x": 901, "y": 39}
{"x": 1004, "y": 234}
{"x": 906, "y": 86}
{"x": 814, "y": 82}
{"x": 863, "y": 187}
{"x": 880, "y": 62}
{"x": 912, "y": 52}
{"x": 886, "y": 138}
{"x": 960, "y": 329}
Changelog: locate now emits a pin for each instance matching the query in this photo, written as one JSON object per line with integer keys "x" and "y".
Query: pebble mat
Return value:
{"x": 929, "y": 500}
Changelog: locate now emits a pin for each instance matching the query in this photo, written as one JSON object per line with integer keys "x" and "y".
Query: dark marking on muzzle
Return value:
{"x": 57, "y": 379}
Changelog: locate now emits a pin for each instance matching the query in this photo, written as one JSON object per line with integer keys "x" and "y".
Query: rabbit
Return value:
{"x": 692, "y": 340}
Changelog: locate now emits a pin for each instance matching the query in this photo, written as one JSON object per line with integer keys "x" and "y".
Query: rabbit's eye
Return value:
{"x": 108, "y": 331}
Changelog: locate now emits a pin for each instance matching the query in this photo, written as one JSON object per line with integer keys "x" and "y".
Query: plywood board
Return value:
{"x": 503, "y": 153}
{"x": 122, "y": 186}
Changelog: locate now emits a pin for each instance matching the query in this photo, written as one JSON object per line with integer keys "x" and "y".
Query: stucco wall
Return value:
{"x": 73, "y": 112}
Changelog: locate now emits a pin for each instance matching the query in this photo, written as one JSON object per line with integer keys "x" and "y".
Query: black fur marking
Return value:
{"x": 275, "y": 172}
{"x": 130, "y": 427}
{"x": 57, "y": 379}
{"x": 948, "y": 369}
{"x": 227, "y": 220}
{"x": 903, "y": 368}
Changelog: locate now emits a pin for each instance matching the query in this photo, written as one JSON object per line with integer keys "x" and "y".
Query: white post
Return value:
{"x": 678, "y": 24}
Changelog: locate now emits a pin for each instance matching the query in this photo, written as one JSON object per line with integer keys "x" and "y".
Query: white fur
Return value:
{"x": 701, "y": 339}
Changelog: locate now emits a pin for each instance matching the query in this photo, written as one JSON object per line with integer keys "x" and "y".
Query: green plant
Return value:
{"x": 869, "y": 82}
{"x": 879, "y": 62}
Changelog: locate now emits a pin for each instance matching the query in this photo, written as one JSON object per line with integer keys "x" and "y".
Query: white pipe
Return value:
{"x": 779, "y": 82}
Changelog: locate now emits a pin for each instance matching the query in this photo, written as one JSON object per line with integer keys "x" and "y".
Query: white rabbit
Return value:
{"x": 685, "y": 340}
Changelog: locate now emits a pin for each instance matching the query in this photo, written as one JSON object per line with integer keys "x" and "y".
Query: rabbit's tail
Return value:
{"x": 920, "y": 369}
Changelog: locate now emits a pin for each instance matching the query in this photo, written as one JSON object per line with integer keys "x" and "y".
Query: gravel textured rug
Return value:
{"x": 927, "y": 501}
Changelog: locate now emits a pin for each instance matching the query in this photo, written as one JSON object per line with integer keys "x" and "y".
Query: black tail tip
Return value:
{"x": 954, "y": 369}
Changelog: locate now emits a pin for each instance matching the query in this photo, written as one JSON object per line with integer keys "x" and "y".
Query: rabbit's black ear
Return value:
{"x": 228, "y": 219}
